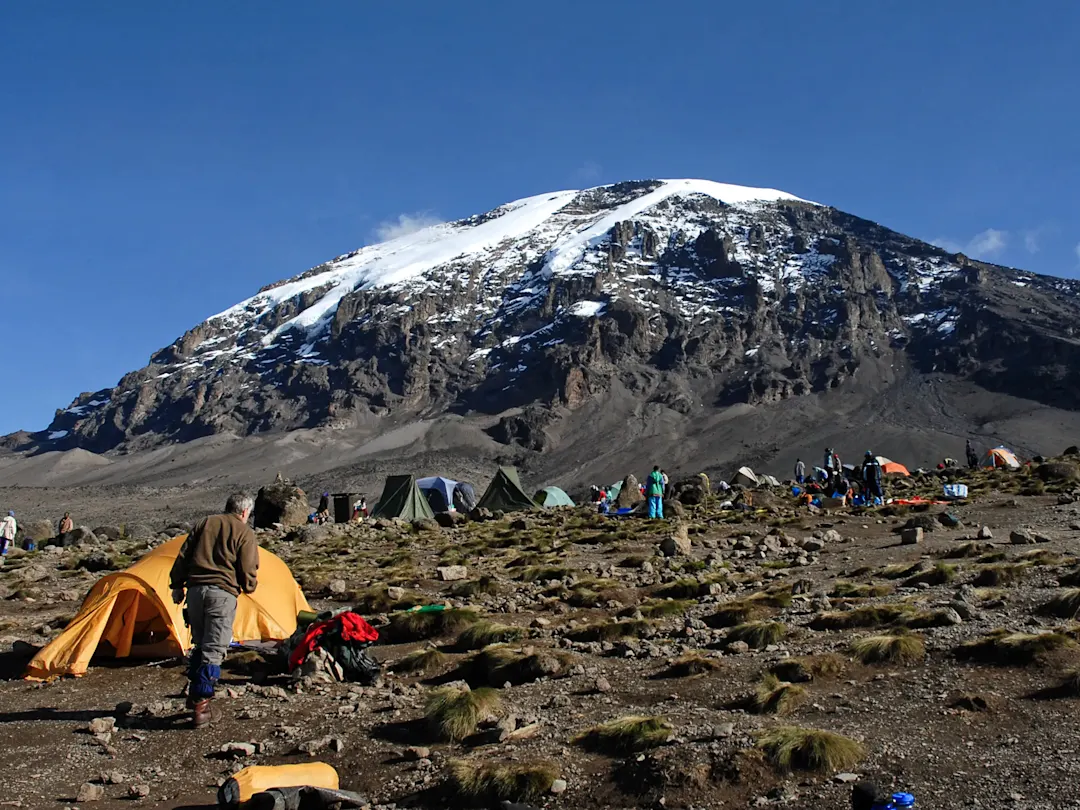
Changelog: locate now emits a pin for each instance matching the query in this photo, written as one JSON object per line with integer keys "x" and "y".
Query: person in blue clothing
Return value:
{"x": 654, "y": 491}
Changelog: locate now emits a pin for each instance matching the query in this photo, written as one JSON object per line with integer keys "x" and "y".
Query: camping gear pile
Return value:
{"x": 335, "y": 644}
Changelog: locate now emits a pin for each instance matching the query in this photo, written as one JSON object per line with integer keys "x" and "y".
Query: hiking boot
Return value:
{"x": 203, "y": 713}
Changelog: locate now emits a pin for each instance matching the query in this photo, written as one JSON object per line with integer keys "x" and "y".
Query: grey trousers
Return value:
{"x": 211, "y": 611}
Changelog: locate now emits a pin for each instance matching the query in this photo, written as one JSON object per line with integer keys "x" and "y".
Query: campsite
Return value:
{"x": 693, "y": 637}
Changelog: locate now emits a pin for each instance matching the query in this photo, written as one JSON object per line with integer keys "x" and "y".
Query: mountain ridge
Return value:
{"x": 685, "y": 295}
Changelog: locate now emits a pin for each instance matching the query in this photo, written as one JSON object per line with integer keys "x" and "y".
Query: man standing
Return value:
{"x": 800, "y": 471}
{"x": 66, "y": 524}
{"x": 972, "y": 457}
{"x": 872, "y": 476}
{"x": 8, "y": 529}
{"x": 218, "y": 561}
{"x": 654, "y": 491}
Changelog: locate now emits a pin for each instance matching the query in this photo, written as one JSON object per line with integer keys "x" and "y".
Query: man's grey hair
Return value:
{"x": 239, "y": 502}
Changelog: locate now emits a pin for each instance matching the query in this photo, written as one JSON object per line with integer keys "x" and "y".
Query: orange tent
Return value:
{"x": 132, "y": 612}
{"x": 1002, "y": 457}
{"x": 890, "y": 467}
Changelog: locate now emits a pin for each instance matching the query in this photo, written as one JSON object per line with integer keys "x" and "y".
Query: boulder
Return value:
{"x": 96, "y": 561}
{"x": 80, "y": 534}
{"x": 89, "y": 792}
{"x": 1072, "y": 450}
{"x": 677, "y": 544}
{"x": 138, "y": 531}
{"x": 480, "y": 514}
{"x": 1022, "y": 537}
{"x": 283, "y": 503}
{"x": 630, "y": 493}
{"x": 832, "y": 536}
{"x": 109, "y": 532}
{"x": 39, "y": 530}
{"x": 985, "y": 534}
{"x": 449, "y": 520}
{"x": 926, "y": 522}
{"x": 912, "y": 536}
{"x": 452, "y": 573}
{"x": 949, "y": 521}
{"x": 425, "y": 525}
{"x": 1058, "y": 471}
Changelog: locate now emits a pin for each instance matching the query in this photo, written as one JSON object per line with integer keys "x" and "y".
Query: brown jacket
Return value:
{"x": 220, "y": 551}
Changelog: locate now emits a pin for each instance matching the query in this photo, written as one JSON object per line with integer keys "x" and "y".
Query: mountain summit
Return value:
{"x": 673, "y": 299}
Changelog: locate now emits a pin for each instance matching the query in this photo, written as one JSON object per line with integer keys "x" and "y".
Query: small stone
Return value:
{"x": 90, "y": 793}
{"x": 337, "y": 745}
{"x": 832, "y": 536}
{"x": 395, "y": 592}
{"x": 112, "y": 778}
{"x": 602, "y": 685}
{"x": 238, "y": 749}
{"x": 738, "y": 647}
{"x": 846, "y": 778}
{"x": 911, "y": 537}
{"x": 985, "y": 534}
{"x": 139, "y": 791}
{"x": 558, "y": 786}
{"x": 338, "y": 586}
{"x": 417, "y": 752}
{"x": 102, "y": 725}
{"x": 540, "y": 622}
{"x": 723, "y": 730}
{"x": 452, "y": 573}
{"x": 812, "y": 544}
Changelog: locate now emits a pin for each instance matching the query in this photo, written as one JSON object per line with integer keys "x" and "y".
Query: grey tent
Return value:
{"x": 505, "y": 493}
{"x": 745, "y": 476}
{"x": 402, "y": 498}
{"x": 464, "y": 497}
{"x": 553, "y": 496}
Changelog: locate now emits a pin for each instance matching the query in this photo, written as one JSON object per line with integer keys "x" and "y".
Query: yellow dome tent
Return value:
{"x": 132, "y": 611}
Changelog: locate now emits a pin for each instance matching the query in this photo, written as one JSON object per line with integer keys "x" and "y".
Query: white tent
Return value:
{"x": 746, "y": 477}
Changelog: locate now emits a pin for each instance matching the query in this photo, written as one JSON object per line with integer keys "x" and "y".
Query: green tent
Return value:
{"x": 505, "y": 493}
{"x": 401, "y": 497}
{"x": 553, "y": 496}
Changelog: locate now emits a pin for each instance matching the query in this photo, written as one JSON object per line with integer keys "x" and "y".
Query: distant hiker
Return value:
{"x": 8, "y": 528}
{"x": 218, "y": 561}
{"x": 360, "y": 510}
{"x": 836, "y": 465}
{"x": 655, "y": 493}
{"x": 800, "y": 471}
{"x": 324, "y": 503}
{"x": 873, "y": 476}
{"x": 829, "y": 456}
{"x": 667, "y": 481}
{"x": 972, "y": 456}
{"x": 66, "y": 524}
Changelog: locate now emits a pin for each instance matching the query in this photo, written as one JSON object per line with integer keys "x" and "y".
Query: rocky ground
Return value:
{"x": 719, "y": 633}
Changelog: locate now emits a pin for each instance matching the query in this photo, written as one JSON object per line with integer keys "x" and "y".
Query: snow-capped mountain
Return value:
{"x": 685, "y": 293}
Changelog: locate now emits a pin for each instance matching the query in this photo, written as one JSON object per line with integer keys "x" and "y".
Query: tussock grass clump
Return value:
{"x": 855, "y": 590}
{"x": 691, "y": 665}
{"x": 997, "y": 576}
{"x": 477, "y": 780}
{"x": 925, "y": 619}
{"x": 1070, "y": 578}
{"x": 475, "y": 587}
{"x": 625, "y": 735}
{"x": 423, "y": 661}
{"x": 420, "y": 625}
{"x": 1005, "y": 648}
{"x": 544, "y": 573}
{"x": 868, "y": 616}
{"x": 377, "y": 600}
{"x": 1069, "y": 686}
{"x": 808, "y": 749}
{"x": 993, "y": 557}
{"x": 500, "y": 663}
{"x": 1064, "y": 605}
{"x": 966, "y": 550}
{"x": 686, "y": 588}
{"x": 758, "y": 635}
{"x": 1040, "y": 556}
{"x": 454, "y": 712}
{"x": 610, "y": 631}
{"x": 633, "y": 561}
{"x": 940, "y": 574}
{"x": 485, "y": 632}
{"x": 892, "y": 648}
{"x": 738, "y": 611}
{"x": 660, "y": 608}
{"x": 809, "y": 667}
{"x": 899, "y": 570}
{"x": 774, "y": 696}
{"x": 592, "y": 593}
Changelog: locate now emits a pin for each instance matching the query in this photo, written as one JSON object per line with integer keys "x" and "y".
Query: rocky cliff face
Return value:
{"x": 688, "y": 294}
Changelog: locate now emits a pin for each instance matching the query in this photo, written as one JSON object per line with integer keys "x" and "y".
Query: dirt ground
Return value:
{"x": 953, "y": 730}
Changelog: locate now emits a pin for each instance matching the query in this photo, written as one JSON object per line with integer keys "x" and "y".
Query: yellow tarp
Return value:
{"x": 133, "y": 612}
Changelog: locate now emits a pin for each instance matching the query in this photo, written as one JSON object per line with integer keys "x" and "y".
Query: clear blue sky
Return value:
{"x": 161, "y": 161}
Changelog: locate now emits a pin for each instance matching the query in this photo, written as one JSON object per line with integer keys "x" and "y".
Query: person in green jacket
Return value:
{"x": 654, "y": 491}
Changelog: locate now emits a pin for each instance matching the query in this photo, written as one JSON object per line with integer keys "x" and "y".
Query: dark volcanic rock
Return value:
{"x": 283, "y": 503}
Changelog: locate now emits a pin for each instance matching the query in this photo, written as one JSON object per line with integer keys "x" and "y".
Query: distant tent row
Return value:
{"x": 416, "y": 499}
